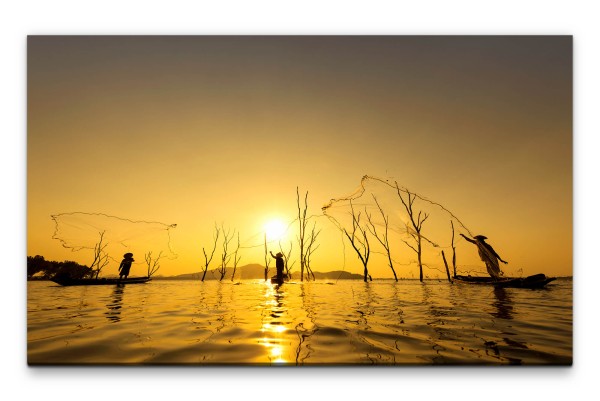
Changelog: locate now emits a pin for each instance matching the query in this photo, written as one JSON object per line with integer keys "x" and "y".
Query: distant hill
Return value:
{"x": 255, "y": 271}
{"x": 338, "y": 275}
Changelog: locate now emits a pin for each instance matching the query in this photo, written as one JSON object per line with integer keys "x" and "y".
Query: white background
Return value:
{"x": 22, "y": 18}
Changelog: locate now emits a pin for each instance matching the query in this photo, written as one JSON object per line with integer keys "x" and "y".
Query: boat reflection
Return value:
{"x": 503, "y": 304}
{"x": 114, "y": 307}
{"x": 275, "y": 324}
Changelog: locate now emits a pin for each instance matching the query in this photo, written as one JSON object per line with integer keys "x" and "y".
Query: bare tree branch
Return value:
{"x": 453, "y": 249}
{"x": 384, "y": 237}
{"x": 100, "y": 257}
{"x": 302, "y": 230}
{"x": 417, "y": 225}
{"x": 236, "y": 258}
{"x": 208, "y": 259}
{"x": 410, "y": 246}
{"x": 311, "y": 248}
{"x": 152, "y": 263}
{"x": 267, "y": 259}
{"x": 225, "y": 256}
{"x": 360, "y": 245}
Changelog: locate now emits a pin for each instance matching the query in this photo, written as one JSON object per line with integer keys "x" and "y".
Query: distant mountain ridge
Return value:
{"x": 255, "y": 271}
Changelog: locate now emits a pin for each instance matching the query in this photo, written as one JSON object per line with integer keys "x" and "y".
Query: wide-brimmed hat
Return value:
{"x": 279, "y": 254}
{"x": 128, "y": 255}
{"x": 480, "y": 237}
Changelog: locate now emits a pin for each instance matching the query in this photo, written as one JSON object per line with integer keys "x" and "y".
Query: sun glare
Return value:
{"x": 275, "y": 229}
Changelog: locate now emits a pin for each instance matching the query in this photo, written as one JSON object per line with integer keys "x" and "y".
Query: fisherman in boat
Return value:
{"x": 125, "y": 265}
{"x": 279, "y": 264}
{"x": 488, "y": 255}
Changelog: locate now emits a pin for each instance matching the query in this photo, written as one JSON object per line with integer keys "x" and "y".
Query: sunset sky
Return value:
{"x": 201, "y": 130}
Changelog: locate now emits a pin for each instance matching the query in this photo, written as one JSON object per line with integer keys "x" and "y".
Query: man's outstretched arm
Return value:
{"x": 468, "y": 239}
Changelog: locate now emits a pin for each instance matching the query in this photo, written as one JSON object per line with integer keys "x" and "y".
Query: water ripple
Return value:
{"x": 314, "y": 323}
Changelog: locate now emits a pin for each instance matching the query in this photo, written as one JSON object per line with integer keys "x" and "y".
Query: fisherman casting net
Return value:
{"x": 415, "y": 229}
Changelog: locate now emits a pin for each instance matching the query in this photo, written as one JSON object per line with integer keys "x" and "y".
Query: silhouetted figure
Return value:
{"x": 279, "y": 264}
{"x": 125, "y": 265}
{"x": 487, "y": 255}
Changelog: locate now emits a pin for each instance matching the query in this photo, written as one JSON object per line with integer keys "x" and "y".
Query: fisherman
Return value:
{"x": 487, "y": 255}
{"x": 279, "y": 264}
{"x": 125, "y": 265}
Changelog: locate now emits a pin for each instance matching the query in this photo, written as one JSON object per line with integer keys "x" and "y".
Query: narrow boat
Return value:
{"x": 531, "y": 282}
{"x": 67, "y": 281}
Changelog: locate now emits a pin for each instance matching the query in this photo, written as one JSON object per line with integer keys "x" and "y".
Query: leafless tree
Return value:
{"x": 307, "y": 243}
{"x": 453, "y": 255}
{"x": 100, "y": 256}
{"x": 225, "y": 256}
{"x": 446, "y": 265}
{"x": 152, "y": 263}
{"x": 359, "y": 241}
{"x": 302, "y": 222}
{"x": 208, "y": 259}
{"x": 236, "y": 258}
{"x": 383, "y": 237}
{"x": 311, "y": 247}
{"x": 416, "y": 224}
{"x": 453, "y": 249}
{"x": 267, "y": 259}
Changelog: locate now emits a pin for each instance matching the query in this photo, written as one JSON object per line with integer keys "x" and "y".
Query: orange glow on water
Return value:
{"x": 274, "y": 324}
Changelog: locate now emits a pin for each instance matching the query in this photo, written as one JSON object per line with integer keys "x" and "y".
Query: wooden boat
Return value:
{"x": 531, "y": 282}
{"x": 67, "y": 281}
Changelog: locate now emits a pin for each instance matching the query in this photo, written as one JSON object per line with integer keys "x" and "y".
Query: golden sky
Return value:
{"x": 201, "y": 130}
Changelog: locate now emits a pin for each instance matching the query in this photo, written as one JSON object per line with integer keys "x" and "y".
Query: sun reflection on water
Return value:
{"x": 274, "y": 325}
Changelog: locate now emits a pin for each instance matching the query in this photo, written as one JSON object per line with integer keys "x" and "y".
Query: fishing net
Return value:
{"x": 84, "y": 232}
{"x": 395, "y": 219}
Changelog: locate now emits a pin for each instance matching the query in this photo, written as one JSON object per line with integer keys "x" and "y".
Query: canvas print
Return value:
{"x": 299, "y": 200}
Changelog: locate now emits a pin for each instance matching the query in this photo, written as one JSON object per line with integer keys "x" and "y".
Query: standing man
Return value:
{"x": 279, "y": 264}
{"x": 125, "y": 265}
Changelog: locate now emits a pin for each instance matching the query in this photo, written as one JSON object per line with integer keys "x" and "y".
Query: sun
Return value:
{"x": 274, "y": 229}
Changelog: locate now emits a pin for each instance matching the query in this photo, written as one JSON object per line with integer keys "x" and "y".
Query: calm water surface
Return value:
{"x": 310, "y": 323}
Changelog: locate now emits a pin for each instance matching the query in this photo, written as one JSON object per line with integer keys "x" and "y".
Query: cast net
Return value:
{"x": 84, "y": 232}
{"x": 405, "y": 225}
